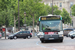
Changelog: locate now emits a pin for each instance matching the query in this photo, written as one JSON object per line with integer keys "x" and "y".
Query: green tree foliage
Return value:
{"x": 56, "y": 11}
{"x": 65, "y": 16}
{"x": 33, "y": 8}
{"x": 9, "y": 9}
{"x": 73, "y": 10}
{"x": 3, "y": 12}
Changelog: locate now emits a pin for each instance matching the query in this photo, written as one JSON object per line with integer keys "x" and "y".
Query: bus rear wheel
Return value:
{"x": 61, "y": 40}
{"x": 42, "y": 41}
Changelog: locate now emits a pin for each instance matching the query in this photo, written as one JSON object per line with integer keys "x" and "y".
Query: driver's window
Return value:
{"x": 20, "y": 33}
{"x": 43, "y": 27}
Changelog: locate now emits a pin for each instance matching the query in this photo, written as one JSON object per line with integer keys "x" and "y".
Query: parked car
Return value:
{"x": 72, "y": 34}
{"x": 66, "y": 31}
{"x": 20, "y": 34}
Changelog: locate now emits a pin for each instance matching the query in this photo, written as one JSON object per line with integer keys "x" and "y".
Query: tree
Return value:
{"x": 33, "y": 9}
{"x": 73, "y": 10}
{"x": 7, "y": 10}
{"x": 65, "y": 16}
{"x": 56, "y": 11}
{"x": 3, "y": 12}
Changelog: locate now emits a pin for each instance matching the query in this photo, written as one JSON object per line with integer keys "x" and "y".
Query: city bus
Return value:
{"x": 50, "y": 28}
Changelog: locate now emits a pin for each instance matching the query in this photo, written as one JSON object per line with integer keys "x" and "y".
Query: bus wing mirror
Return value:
{"x": 63, "y": 21}
{"x": 38, "y": 23}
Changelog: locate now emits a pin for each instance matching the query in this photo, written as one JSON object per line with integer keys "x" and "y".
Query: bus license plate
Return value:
{"x": 51, "y": 38}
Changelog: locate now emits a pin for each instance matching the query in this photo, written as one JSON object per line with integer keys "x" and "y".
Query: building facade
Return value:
{"x": 67, "y": 4}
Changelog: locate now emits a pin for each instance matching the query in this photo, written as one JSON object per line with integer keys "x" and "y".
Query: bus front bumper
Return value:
{"x": 51, "y": 37}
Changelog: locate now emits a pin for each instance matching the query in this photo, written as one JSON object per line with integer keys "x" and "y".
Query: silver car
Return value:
{"x": 72, "y": 34}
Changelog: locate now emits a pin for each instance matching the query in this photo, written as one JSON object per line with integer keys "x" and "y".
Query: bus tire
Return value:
{"x": 42, "y": 41}
{"x": 61, "y": 40}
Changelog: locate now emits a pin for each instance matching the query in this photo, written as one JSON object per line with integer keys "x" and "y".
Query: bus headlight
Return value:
{"x": 41, "y": 36}
{"x": 60, "y": 35}
{"x": 40, "y": 33}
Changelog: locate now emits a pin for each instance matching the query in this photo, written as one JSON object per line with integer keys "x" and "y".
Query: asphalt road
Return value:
{"x": 35, "y": 44}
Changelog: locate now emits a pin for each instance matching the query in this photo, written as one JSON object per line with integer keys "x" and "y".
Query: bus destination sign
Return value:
{"x": 50, "y": 18}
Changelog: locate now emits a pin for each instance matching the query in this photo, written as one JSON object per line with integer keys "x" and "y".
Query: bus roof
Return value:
{"x": 50, "y": 15}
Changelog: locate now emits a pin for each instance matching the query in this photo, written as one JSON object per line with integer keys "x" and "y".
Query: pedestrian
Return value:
{"x": 0, "y": 35}
{"x": 31, "y": 31}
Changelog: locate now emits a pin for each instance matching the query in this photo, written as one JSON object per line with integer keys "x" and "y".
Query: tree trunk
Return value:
{"x": 14, "y": 24}
{"x": 33, "y": 27}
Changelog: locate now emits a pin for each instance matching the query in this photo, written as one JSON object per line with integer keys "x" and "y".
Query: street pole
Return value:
{"x": 5, "y": 33}
{"x": 18, "y": 17}
{"x": 52, "y": 7}
{"x": 25, "y": 22}
{"x": 25, "y": 19}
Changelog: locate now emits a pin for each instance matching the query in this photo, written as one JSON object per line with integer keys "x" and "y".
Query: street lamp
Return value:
{"x": 25, "y": 20}
{"x": 25, "y": 17}
{"x": 52, "y": 7}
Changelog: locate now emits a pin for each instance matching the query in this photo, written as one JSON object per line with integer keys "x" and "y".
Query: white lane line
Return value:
{"x": 45, "y": 46}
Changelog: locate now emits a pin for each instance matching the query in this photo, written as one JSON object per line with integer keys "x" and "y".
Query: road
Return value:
{"x": 35, "y": 44}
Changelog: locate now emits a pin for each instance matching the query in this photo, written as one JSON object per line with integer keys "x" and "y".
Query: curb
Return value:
{"x": 3, "y": 38}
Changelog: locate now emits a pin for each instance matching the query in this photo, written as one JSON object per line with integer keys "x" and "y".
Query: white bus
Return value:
{"x": 51, "y": 28}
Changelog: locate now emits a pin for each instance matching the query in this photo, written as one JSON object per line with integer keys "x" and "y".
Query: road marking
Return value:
{"x": 45, "y": 46}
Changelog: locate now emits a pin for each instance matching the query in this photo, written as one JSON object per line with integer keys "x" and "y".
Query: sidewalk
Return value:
{"x": 3, "y": 38}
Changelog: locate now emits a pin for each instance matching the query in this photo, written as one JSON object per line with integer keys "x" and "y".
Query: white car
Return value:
{"x": 72, "y": 34}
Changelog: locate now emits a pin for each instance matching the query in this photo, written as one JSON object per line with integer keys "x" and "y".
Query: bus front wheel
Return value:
{"x": 42, "y": 41}
{"x": 61, "y": 40}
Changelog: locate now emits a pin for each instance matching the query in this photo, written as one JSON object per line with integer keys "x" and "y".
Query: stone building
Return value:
{"x": 67, "y": 4}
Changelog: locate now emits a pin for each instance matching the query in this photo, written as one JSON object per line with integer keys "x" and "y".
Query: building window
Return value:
{"x": 71, "y": 4}
{"x": 57, "y": 2}
{"x": 60, "y": 4}
{"x": 45, "y": 3}
{"x": 71, "y": 24}
{"x": 51, "y": 4}
{"x": 70, "y": 13}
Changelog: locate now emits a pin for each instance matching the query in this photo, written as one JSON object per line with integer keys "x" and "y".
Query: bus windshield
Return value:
{"x": 51, "y": 26}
